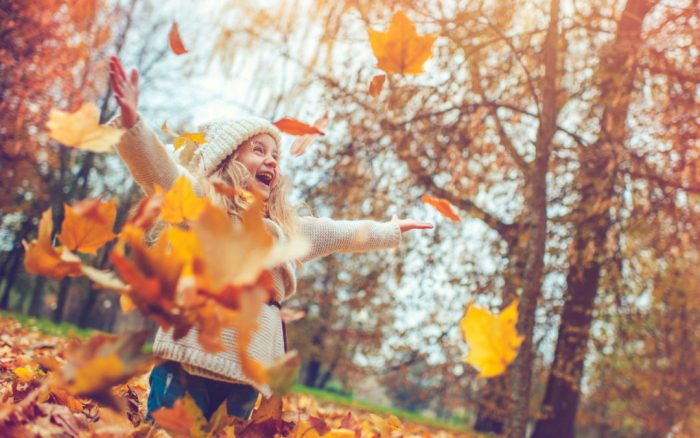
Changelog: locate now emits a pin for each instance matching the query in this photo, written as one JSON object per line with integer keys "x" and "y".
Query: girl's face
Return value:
{"x": 259, "y": 155}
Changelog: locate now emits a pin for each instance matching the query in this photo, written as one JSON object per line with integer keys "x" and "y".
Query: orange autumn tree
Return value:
{"x": 518, "y": 116}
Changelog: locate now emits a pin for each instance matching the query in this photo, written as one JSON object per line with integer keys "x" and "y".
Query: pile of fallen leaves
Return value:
{"x": 40, "y": 375}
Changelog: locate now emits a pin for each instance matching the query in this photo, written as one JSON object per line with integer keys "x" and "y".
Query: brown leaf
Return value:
{"x": 375, "y": 87}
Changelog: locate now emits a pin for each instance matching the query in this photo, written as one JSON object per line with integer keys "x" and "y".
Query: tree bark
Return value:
{"x": 598, "y": 173}
{"x": 537, "y": 208}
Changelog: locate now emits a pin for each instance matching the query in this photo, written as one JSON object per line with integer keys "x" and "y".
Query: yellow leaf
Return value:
{"x": 339, "y": 433}
{"x": 186, "y": 138}
{"x": 87, "y": 229}
{"x": 493, "y": 339}
{"x": 82, "y": 129}
{"x": 181, "y": 202}
{"x": 24, "y": 374}
{"x": 401, "y": 49}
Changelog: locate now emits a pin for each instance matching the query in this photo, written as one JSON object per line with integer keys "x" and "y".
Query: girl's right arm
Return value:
{"x": 146, "y": 157}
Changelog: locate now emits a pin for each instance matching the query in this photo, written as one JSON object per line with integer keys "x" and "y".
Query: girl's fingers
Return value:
{"x": 134, "y": 77}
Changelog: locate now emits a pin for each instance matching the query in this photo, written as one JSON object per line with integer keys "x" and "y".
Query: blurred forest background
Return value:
{"x": 565, "y": 133}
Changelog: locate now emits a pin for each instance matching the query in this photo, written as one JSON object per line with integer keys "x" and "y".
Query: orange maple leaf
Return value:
{"x": 175, "y": 41}
{"x": 401, "y": 49}
{"x": 42, "y": 258}
{"x": 443, "y": 206}
{"x": 82, "y": 129}
{"x": 300, "y": 144}
{"x": 296, "y": 127}
{"x": 181, "y": 202}
{"x": 88, "y": 225}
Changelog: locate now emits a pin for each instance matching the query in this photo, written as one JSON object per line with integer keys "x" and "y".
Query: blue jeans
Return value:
{"x": 169, "y": 382}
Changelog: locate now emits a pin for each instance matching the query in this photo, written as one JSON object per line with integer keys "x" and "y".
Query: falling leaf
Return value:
{"x": 375, "y": 87}
{"x": 105, "y": 279}
{"x": 181, "y": 202}
{"x": 302, "y": 143}
{"x": 42, "y": 258}
{"x": 284, "y": 372}
{"x": 296, "y": 127}
{"x": 493, "y": 339}
{"x": 175, "y": 42}
{"x": 290, "y": 315}
{"x": 93, "y": 367}
{"x": 401, "y": 49}
{"x": 443, "y": 206}
{"x": 183, "y": 419}
{"x": 82, "y": 129}
{"x": 186, "y": 138}
{"x": 87, "y": 229}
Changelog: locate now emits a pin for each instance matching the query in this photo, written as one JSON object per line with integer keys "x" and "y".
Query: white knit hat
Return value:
{"x": 223, "y": 137}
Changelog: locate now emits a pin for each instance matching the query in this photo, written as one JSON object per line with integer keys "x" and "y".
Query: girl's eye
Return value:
{"x": 258, "y": 149}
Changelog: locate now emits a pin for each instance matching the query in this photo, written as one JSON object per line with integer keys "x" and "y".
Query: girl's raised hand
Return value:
{"x": 410, "y": 224}
{"x": 126, "y": 91}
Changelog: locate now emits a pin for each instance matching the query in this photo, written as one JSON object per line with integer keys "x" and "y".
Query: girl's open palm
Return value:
{"x": 126, "y": 91}
{"x": 410, "y": 224}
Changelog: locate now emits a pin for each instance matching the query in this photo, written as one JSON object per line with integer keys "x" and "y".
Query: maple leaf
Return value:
{"x": 376, "y": 85}
{"x": 89, "y": 226}
{"x": 284, "y": 372}
{"x": 175, "y": 41}
{"x": 302, "y": 143}
{"x": 82, "y": 129}
{"x": 42, "y": 258}
{"x": 183, "y": 419}
{"x": 401, "y": 49}
{"x": 181, "y": 203}
{"x": 296, "y": 127}
{"x": 93, "y": 367}
{"x": 493, "y": 339}
{"x": 185, "y": 138}
{"x": 443, "y": 206}
{"x": 233, "y": 252}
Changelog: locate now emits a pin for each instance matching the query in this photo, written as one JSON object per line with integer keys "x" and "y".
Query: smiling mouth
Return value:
{"x": 264, "y": 178}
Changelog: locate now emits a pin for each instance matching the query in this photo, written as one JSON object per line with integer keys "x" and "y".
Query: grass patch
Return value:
{"x": 412, "y": 417}
{"x": 48, "y": 327}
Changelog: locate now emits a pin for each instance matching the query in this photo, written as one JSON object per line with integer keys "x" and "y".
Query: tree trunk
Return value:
{"x": 312, "y": 371}
{"x": 37, "y": 295}
{"x": 16, "y": 256}
{"x": 62, "y": 298}
{"x": 12, "y": 262}
{"x": 39, "y": 282}
{"x": 598, "y": 174}
{"x": 537, "y": 208}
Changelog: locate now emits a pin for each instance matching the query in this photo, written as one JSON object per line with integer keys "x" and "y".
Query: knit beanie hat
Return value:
{"x": 223, "y": 137}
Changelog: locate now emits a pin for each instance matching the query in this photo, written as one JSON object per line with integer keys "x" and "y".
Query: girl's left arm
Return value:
{"x": 330, "y": 236}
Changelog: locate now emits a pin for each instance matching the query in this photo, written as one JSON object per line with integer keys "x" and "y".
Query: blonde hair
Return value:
{"x": 233, "y": 173}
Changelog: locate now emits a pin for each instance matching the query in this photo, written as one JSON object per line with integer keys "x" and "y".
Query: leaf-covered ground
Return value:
{"x": 32, "y": 404}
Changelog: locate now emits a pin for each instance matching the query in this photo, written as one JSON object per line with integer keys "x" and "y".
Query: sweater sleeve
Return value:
{"x": 147, "y": 158}
{"x": 328, "y": 236}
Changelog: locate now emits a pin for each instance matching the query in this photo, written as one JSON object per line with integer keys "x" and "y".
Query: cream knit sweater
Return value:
{"x": 151, "y": 163}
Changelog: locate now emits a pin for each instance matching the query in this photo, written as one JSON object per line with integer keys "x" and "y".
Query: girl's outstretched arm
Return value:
{"x": 330, "y": 236}
{"x": 146, "y": 157}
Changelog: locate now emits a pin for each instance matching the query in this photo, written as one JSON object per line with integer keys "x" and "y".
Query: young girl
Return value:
{"x": 241, "y": 152}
